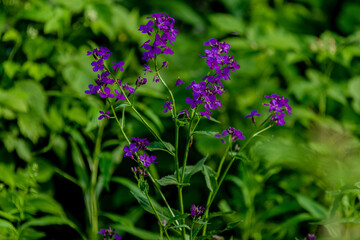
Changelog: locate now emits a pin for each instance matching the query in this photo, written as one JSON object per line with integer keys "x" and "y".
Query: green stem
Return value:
{"x": 208, "y": 203}
{"x": 181, "y": 180}
{"x": 156, "y": 213}
{"x": 152, "y": 179}
{"x": 93, "y": 197}
{"x": 139, "y": 115}
{"x": 166, "y": 86}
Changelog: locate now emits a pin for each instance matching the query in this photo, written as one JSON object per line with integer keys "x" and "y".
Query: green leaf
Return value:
{"x": 9, "y": 216}
{"x": 39, "y": 47}
{"x": 176, "y": 218}
{"x": 280, "y": 209}
{"x": 151, "y": 115}
{"x": 105, "y": 163}
{"x": 311, "y": 206}
{"x": 227, "y": 23}
{"x": 337, "y": 221}
{"x": 209, "y": 175}
{"x": 32, "y": 234}
{"x": 38, "y": 71}
{"x": 168, "y": 180}
{"x": 7, "y": 224}
{"x": 79, "y": 165}
{"x": 49, "y": 220}
{"x": 163, "y": 212}
{"x": 138, "y": 232}
{"x": 124, "y": 221}
{"x": 158, "y": 146}
{"x": 11, "y": 68}
{"x": 44, "y": 203}
{"x": 207, "y": 133}
{"x": 216, "y": 232}
{"x": 23, "y": 150}
{"x": 293, "y": 221}
{"x": 219, "y": 214}
{"x": 191, "y": 170}
{"x": 180, "y": 226}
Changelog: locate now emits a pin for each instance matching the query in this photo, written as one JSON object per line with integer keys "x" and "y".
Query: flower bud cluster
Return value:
{"x": 136, "y": 145}
{"x": 110, "y": 233}
{"x": 235, "y": 134}
{"x": 196, "y": 211}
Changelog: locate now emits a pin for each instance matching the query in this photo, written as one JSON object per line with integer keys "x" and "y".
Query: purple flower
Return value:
{"x": 97, "y": 66}
{"x": 147, "y": 28}
{"x": 222, "y": 64}
{"x": 165, "y": 64}
{"x": 147, "y": 68}
{"x": 109, "y": 232}
{"x": 118, "y": 65}
{"x": 185, "y": 112}
{"x": 196, "y": 211}
{"x": 156, "y": 79}
{"x": 235, "y": 134}
{"x": 141, "y": 143}
{"x": 179, "y": 82}
{"x": 104, "y": 115}
{"x": 117, "y": 236}
{"x": 147, "y": 160}
{"x": 130, "y": 150}
{"x": 140, "y": 81}
{"x": 92, "y": 89}
{"x": 102, "y": 53}
{"x": 193, "y": 102}
{"x": 311, "y": 237}
{"x": 278, "y": 105}
{"x": 130, "y": 89}
{"x": 165, "y": 35}
{"x": 206, "y": 113}
{"x": 138, "y": 170}
{"x": 119, "y": 95}
{"x": 221, "y": 136}
{"x": 252, "y": 115}
{"x": 278, "y": 118}
{"x": 168, "y": 106}
{"x": 107, "y": 93}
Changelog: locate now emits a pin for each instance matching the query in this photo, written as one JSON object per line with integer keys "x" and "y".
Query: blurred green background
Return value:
{"x": 297, "y": 179}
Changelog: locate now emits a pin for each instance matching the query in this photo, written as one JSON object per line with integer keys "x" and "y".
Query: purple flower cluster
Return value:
{"x": 278, "y": 105}
{"x": 235, "y": 134}
{"x": 165, "y": 34}
{"x": 103, "y": 79}
{"x": 217, "y": 60}
{"x": 310, "y": 237}
{"x": 109, "y": 232}
{"x": 147, "y": 160}
{"x": 196, "y": 211}
{"x": 206, "y": 91}
{"x": 136, "y": 145}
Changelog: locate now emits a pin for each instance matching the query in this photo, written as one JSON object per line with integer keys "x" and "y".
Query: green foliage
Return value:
{"x": 303, "y": 177}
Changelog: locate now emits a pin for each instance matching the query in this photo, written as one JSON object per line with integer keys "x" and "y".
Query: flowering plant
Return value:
{"x": 205, "y": 98}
